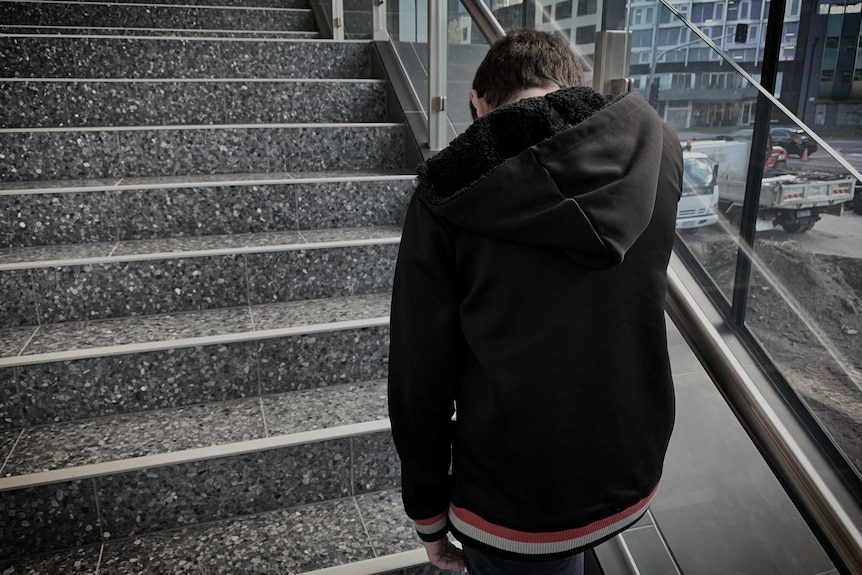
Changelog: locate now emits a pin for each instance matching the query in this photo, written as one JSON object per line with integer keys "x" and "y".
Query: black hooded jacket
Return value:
{"x": 529, "y": 292}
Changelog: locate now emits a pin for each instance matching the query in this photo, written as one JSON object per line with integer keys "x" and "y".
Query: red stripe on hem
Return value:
{"x": 432, "y": 521}
{"x": 547, "y": 536}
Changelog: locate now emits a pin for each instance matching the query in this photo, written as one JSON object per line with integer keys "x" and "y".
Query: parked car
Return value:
{"x": 793, "y": 139}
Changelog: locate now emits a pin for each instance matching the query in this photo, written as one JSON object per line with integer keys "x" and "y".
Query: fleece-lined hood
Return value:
{"x": 573, "y": 169}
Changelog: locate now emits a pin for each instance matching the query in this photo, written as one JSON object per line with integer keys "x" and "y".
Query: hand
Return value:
{"x": 443, "y": 555}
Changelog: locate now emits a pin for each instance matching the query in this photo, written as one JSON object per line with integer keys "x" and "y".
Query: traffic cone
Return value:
{"x": 805, "y": 155}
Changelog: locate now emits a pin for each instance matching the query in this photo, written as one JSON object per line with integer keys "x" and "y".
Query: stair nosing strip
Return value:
{"x": 185, "y": 38}
{"x": 188, "y": 127}
{"x": 150, "y": 5}
{"x": 375, "y": 565}
{"x": 197, "y": 80}
{"x": 201, "y": 341}
{"x": 119, "y": 185}
{"x": 215, "y": 252}
{"x": 96, "y": 29}
{"x": 190, "y": 455}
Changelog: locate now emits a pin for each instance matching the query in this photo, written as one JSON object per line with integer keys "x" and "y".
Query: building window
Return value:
{"x": 757, "y": 10}
{"x": 642, "y": 39}
{"x": 701, "y": 13}
{"x": 642, "y": 16}
{"x": 681, "y": 81}
{"x": 587, "y": 7}
{"x": 546, "y": 14}
{"x": 792, "y": 9}
{"x": 670, "y": 36}
{"x": 564, "y": 10}
{"x": 790, "y": 30}
{"x": 849, "y": 114}
{"x": 585, "y": 35}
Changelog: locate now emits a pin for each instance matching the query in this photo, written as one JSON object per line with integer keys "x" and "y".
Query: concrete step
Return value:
{"x": 154, "y": 16}
{"x": 359, "y": 535}
{"x": 120, "y": 152}
{"x": 21, "y": 30}
{"x": 99, "y": 102}
{"x": 45, "y": 285}
{"x": 228, "y": 3}
{"x": 51, "y": 450}
{"x": 132, "y": 57}
{"x": 80, "y": 370}
{"x": 104, "y": 211}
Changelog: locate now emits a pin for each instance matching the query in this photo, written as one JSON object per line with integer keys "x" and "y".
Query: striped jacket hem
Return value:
{"x": 543, "y": 543}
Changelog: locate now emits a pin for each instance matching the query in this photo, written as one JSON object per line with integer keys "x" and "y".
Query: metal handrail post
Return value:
{"x": 484, "y": 19}
{"x": 437, "y": 36}
{"x": 378, "y": 14}
{"x": 338, "y": 19}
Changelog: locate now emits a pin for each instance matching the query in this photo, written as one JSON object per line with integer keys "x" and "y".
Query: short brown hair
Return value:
{"x": 525, "y": 59}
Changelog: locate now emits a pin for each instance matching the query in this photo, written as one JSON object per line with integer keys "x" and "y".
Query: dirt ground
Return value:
{"x": 816, "y": 340}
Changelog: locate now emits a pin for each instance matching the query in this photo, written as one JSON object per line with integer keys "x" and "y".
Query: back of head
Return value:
{"x": 525, "y": 59}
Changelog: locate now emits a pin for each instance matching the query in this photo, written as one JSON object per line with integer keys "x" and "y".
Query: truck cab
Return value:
{"x": 697, "y": 205}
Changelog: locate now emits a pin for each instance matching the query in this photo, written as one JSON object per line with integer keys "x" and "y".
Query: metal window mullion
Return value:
{"x": 437, "y": 30}
{"x": 757, "y": 160}
{"x": 378, "y": 12}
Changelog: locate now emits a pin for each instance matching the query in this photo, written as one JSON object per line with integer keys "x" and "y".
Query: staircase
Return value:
{"x": 199, "y": 225}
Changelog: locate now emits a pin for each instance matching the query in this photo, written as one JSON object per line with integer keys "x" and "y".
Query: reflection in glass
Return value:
{"x": 804, "y": 301}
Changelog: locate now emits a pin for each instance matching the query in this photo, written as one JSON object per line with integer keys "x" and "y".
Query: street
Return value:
{"x": 849, "y": 148}
{"x": 832, "y": 235}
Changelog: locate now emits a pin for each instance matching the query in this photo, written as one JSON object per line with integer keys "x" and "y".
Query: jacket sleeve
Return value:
{"x": 423, "y": 367}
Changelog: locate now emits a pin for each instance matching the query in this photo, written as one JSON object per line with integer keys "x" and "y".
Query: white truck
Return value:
{"x": 792, "y": 201}
{"x": 699, "y": 200}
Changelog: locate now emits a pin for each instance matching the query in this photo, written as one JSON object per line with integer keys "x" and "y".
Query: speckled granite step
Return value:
{"x": 75, "y": 212}
{"x": 90, "y": 442}
{"x": 79, "y": 370}
{"x": 99, "y": 103}
{"x": 97, "y": 503}
{"x": 47, "y": 14}
{"x": 100, "y": 281}
{"x": 233, "y": 3}
{"x": 357, "y": 535}
{"x": 158, "y": 32}
{"x": 25, "y": 56}
{"x": 61, "y": 153}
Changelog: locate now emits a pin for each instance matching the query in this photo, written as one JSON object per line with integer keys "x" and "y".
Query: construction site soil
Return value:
{"x": 806, "y": 309}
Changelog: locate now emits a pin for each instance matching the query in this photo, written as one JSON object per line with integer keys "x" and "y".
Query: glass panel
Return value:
{"x": 466, "y": 50}
{"x": 804, "y": 300}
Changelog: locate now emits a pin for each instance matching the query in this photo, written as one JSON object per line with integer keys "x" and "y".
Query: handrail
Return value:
{"x": 775, "y": 442}
{"x": 484, "y": 19}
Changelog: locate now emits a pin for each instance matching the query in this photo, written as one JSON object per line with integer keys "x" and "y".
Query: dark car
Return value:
{"x": 794, "y": 140}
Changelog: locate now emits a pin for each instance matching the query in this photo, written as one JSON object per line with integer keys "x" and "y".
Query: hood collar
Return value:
{"x": 573, "y": 170}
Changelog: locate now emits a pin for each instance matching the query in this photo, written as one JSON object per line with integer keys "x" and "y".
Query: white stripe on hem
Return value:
{"x": 525, "y": 548}
{"x": 433, "y": 528}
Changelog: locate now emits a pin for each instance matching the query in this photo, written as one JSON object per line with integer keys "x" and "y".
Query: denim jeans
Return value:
{"x": 481, "y": 563}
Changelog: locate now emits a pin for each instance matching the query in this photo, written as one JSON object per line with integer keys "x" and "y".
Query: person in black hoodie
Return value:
{"x": 529, "y": 298}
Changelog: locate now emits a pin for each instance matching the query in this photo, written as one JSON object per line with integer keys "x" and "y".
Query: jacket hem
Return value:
{"x": 433, "y": 528}
{"x": 549, "y": 543}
